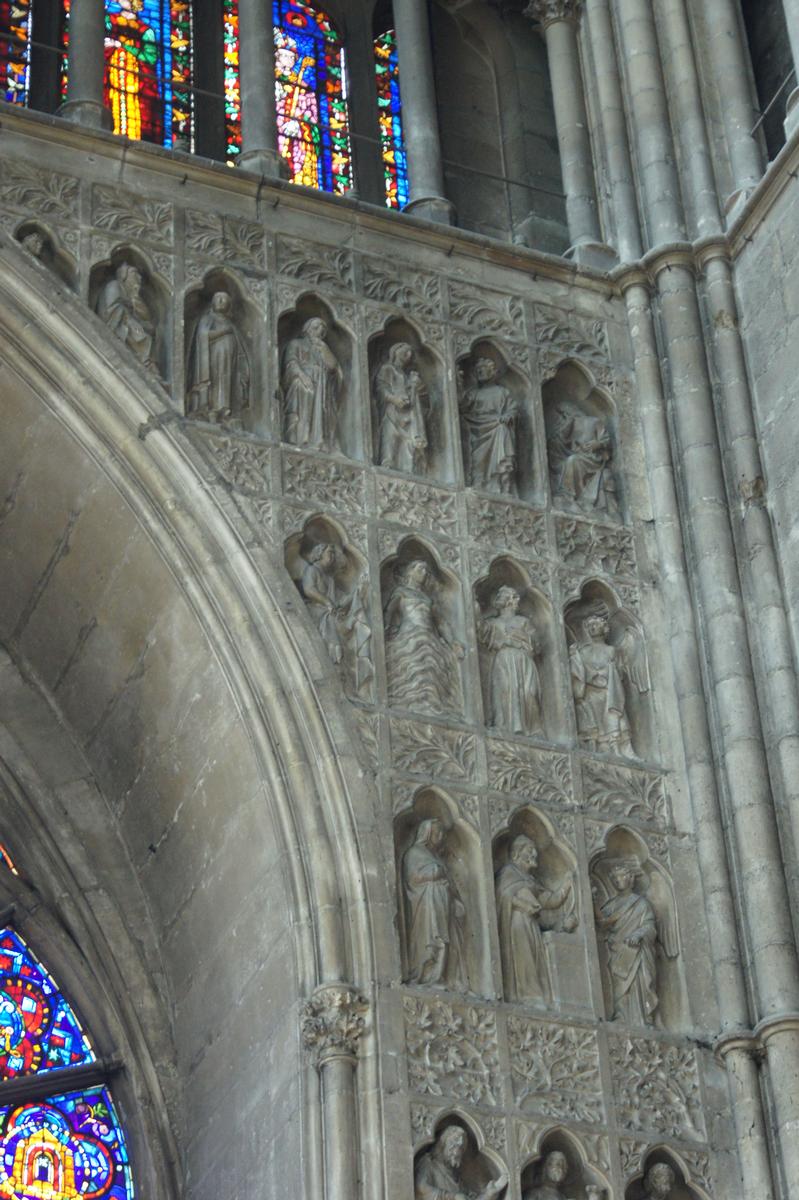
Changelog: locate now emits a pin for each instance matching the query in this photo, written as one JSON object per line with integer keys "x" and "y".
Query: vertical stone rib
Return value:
{"x": 257, "y": 82}
{"x": 729, "y": 56}
{"x": 85, "y": 100}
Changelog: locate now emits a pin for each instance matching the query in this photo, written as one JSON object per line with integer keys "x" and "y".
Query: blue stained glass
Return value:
{"x": 389, "y": 102}
{"x": 38, "y": 1030}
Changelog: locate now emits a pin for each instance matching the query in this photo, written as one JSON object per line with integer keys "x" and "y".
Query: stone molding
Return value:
{"x": 333, "y": 1022}
{"x": 549, "y": 12}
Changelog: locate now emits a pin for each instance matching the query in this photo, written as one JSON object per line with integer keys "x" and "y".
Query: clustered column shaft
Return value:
{"x": 728, "y": 54}
{"x": 419, "y": 112}
{"x": 85, "y": 102}
{"x": 257, "y": 82}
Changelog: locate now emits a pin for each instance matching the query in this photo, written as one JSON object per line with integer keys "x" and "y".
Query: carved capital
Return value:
{"x": 547, "y": 12}
{"x": 333, "y": 1022}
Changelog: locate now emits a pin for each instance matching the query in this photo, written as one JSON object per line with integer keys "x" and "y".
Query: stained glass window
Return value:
{"x": 311, "y": 97}
{"x": 148, "y": 68}
{"x": 230, "y": 12}
{"x": 15, "y": 50}
{"x": 392, "y": 146}
{"x": 64, "y": 1148}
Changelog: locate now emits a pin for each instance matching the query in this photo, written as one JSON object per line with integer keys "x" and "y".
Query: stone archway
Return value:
{"x": 164, "y": 646}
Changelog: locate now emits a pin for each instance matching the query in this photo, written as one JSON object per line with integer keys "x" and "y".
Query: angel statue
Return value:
{"x": 604, "y": 664}
{"x": 634, "y": 926}
{"x": 438, "y": 1171}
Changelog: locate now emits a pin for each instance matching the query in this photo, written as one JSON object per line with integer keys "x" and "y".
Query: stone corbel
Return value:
{"x": 547, "y": 12}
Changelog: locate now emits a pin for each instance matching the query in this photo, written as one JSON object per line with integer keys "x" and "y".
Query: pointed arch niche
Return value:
{"x": 582, "y": 445}
{"x": 479, "y": 1166}
{"x": 682, "y": 1186}
{"x": 581, "y": 1180}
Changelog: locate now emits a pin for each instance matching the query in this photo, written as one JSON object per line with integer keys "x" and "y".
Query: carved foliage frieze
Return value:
{"x": 508, "y": 526}
{"x": 334, "y": 1021}
{"x": 310, "y": 262}
{"x": 132, "y": 216}
{"x": 486, "y": 311}
{"x": 656, "y": 1086}
{"x": 242, "y": 463}
{"x": 555, "y": 1068}
{"x": 531, "y": 774}
{"x": 27, "y": 188}
{"x": 624, "y": 792}
{"x": 586, "y": 546}
{"x": 561, "y": 335}
{"x": 228, "y": 238}
{"x": 417, "y": 505}
{"x": 333, "y": 484}
{"x": 427, "y": 749}
{"x": 416, "y": 291}
{"x": 452, "y": 1050}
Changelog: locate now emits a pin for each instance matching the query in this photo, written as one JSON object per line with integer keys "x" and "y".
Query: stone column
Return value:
{"x": 689, "y": 118}
{"x": 792, "y": 23}
{"x": 738, "y": 1047}
{"x": 614, "y": 126}
{"x": 739, "y": 742}
{"x": 333, "y": 1022}
{"x": 85, "y": 102}
{"x": 419, "y": 113}
{"x": 559, "y": 20}
{"x": 729, "y": 55}
{"x": 648, "y": 108}
{"x": 257, "y": 82}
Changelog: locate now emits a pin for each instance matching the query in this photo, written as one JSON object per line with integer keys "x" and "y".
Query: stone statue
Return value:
{"x": 343, "y": 622}
{"x": 514, "y": 689}
{"x": 34, "y": 243}
{"x": 632, "y": 929}
{"x": 126, "y": 313}
{"x": 598, "y": 675}
{"x": 438, "y": 1176}
{"x": 489, "y": 414}
{"x": 421, "y": 652}
{"x": 553, "y": 1174}
{"x": 659, "y": 1182}
{"x": 219, "y": 369}
{"x": 581, "y": 463}
{"x": 521, "y": 900}
{"x": 435, "y": 912}
{"x": 399, "y": 392}
{"x": 311, "y": 381}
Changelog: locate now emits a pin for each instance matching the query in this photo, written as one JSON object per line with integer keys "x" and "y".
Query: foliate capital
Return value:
{"x": 547, "y": 12}
{"x": 333, "y": 1022}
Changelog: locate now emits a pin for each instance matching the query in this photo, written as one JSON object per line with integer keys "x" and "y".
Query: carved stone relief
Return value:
{"x": 512, "y": 527}
{"x": 427, "y": 749}
{"x": 333, "y": 580}
{"x": 657, "y": 1087}
{"x": 452, "y": 1050}
{"x": 490, "y": 424}
{"x": 333, "y": 484}
{"x": 531, "y": 774}
{"x": 45, "y": 249}
{"x": 417, "y": 505}
{"x": 486, "y": 311}
{"x": 609, "y": 674}
{"x": 218, "y": 361}
{"x": 315, "y": 356}
{"x": 423, "y": 654}
{"x": 416, "y": 291}
{"x": 555, "y": 1069}
{"x": 567, "y": 335}
{"x": 224, "y": 238}
{"x": 334, "y": 1021}
{"x": 28, "y": 188}
{"x": 132, "y": 216}
{"x": 586, "y": 546}
{"x": 126, "y": 301}
{"x": 323, "y": 266}
{"x": 559, "y": 1173}
{"x": 580, "y": 445}
{"x": 453, "y": 1167}
{"x": 621, "y": 792}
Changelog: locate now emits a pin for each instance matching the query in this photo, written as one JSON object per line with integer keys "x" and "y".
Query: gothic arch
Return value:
{"x": 104, "y": 459}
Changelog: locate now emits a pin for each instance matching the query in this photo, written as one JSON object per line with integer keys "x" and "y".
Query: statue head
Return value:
{"x": 430, "y": 833}
{"x": 323, "y": 553}
{"x": 506, "y": 597}
{"x": 414, "y": 572}
{"x": 400, "y": 354}
{"x": 659, "y": 1181}
{"x": 524, "y": 853}
{"x": 453, "y": 1146}
{"x": 556, "y": 1167}
{"x": 220, "y": 302}
{"x": 596, "y": 620}
{"x": 315, "y": 328}
{"x": 129, "y": 278}
{"x": 624, "y": 872}
{"x": 485, "y": 369}
{"x": 34, "y": 243}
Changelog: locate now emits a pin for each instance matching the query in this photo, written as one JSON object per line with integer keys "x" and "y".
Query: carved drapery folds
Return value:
{"x": 581, "y": 445}
{"x": 129, "y": 303}
{"x": 453, "y": 1166}
{"x": 409, "y": 432}
{"x": 560, "y": 1171}
{"x": 219, "y": 357}
{"x": 333, "y": 1022}
{"x": 315, "y": 357}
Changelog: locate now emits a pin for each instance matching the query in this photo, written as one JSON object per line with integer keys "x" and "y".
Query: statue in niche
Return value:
{"x": 311, "y": 380}
{"x": 422, "y": 655}
{"x": 438, "y": 1175}
{"x": 436, "y": 913}
{"x": 127, "y": 314}
{"x": 34, "y": 243}
{"x": 341, "y": 621}
{"x": 521, "y": 903}
{"x": 489, "y": 415}
{"x": 633, "y": 927}
{"x": 219, "y": 369}
{"x": 659, "y": 1182}
{"x": 399, "y": 392}
{"x": 553, "y": 1174}
{"x": 514, "y": 689}
{"x": 581, "y": 463}
{"x": 599, "y": 672}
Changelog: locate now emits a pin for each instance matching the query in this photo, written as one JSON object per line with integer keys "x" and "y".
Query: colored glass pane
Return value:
{"x": 38, "y": 1030}
{"x": 6, "y": 858}
{"x": 311, "y": 97}
{"x": 68, "y": 1147}
{"x": 392, "y": 146}
{"x": 15, "y": 33}
{"x": 148, "y": 68}
{"x": 230, "y": 13}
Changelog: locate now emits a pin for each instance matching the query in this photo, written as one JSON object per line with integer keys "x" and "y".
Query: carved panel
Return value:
{"x": 556, "y": 1068}
{"x": 508, "y": 526}
{"x": 423, "y": 1123}
{"x": 622, "y": 792}
{"x": 228, "y": 238}
{"x": 585, "y": 546}
{"x": 452, "y": 1050}
{"x": 334, "y": 1021}
{"x": 531, "y": 774}
{"x": 656, "y": 1086}
{"x": 132, "y": 216}
{"x": 426, "y": 749}
{"x": 417, "y": 505}
{"x": 26, "y": 187}
{"x": 242, "y": 463}
{"x": 416, "y": 291}
{"x": 501, "y": 810}
{"x": 368, "y": 728}
{"x": 323, "y": 266}
{"x": 486, "y": 311}
{"x": 561, "y": 335}
{"x": 333, "y": 484}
